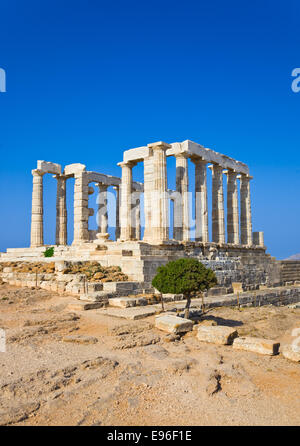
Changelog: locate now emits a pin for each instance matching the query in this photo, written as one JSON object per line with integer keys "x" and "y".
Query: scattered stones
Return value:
{"x": 217, "y": 334}
{"x": 257, "y": 345}
{"x": 173, "y": 324}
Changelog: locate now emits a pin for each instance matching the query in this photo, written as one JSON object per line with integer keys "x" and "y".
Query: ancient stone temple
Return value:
{"x": 227, "y": 245}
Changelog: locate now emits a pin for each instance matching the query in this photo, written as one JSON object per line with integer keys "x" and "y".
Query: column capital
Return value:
{"x": 198, "y": 160}
{"x": 127, "y": 164}
{"x": 37, "y": 173}
{"x": 102, "y": 186}
{"x": 182, "y": 155}
{"x": 216, "y": 167}
{"x": 244, "y": 177}
{"x": 160, "y": 145}
{"x": 230, "y": 172}
{"x": 60, "y": 177}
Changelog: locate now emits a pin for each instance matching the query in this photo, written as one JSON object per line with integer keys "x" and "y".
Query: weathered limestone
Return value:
{"x": 159, "y": 209}
{"x": 246, "y": 223}
{"x": 37, "y": 213}
{"x": 81, "y": 211}
{"x": 216, "y": 334}
{"x": 117, "y": 233}
{"x": 218, "y": 222}
{"x": 126, "y": 191}
{"x": 61, "y": 211}
{"x": 201, "y": 213}
{"x": 148, "y": 189}
{"x": 257, "y": 345}
{"x": 232, "y": 208}
{"x": 258, "y": 238}
{"x": 173, "y": 324}
{"x": 136, "y": 216}
{"x": 290, "y": 344}
{"x": 181, "y": 203}
{"x": 102, "y": 215}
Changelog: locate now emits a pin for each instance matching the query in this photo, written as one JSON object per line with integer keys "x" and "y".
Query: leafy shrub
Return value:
{"x": 49, "y": 252}
{"x": 184, "y": 276}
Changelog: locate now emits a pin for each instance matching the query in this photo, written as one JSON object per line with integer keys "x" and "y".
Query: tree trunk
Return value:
{"x": 187, "y": 307}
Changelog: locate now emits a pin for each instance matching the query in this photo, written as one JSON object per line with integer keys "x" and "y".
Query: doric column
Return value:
{"x": 102, "y": 215}
{"x": 232, "y": 208}
{"x": 246, "y": 223}
{"x": 126, "y": 191}
{"x": 218, "y": 223}
{"x": 182, "y": 231}
{"x": 61, "y": 211}
{"x": 37, "y": 212}
{"x": 201, "y": 214}
{"x": 117, "y": 233}
{"x": 81, "y": 210}
{"x": 137, "y": 217}
{"x": 148, "y": 190}
{"x": 159, "y": 204}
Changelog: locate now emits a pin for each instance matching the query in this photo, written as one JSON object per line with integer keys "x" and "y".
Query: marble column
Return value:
{"x": 148, "y": 190}
{"x": 232, "y": 208}
{"x": 117, "y": 232}
{"x": 37, "y": 212}
{"x": 201, "y": 213}
{"x": 102, "y": 215}
{"x": 218, "y": 222}
{"x": 137, "y": 217}
{"x": 81, "y": 210}
{"x": 182, "y": 231}
{"x": 159, "y": 205}
{"x": 246, "y": 223}
{"x": 126, "y": 191}
{"x": 61, "y": 211}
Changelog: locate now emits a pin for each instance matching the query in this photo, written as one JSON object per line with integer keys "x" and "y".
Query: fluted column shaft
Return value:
{"x": 232, "y": 208}
{"x": 159, "y": 208}
{"x": 148, "y": 190}
{"x": 218, "y": 222}
{"x": 182, "y": 229}
{"x": 61, "y": 211}
{"x": 81, "y": 210}
{"x": 102, "y": 215}
{"x": 201, "y": 213}
{"x": 137, "y": 217}
{"x": 117, "y": 233}
{"x": 37, "y": 212}
{"x": 126, "y": 191}
{"x": 246, "y": 219}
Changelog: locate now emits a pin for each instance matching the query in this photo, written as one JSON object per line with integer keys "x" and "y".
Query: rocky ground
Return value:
{"x": 85, "y": 368}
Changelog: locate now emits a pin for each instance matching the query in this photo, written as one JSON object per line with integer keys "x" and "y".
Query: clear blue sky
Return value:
{"x": 89, "y": 79}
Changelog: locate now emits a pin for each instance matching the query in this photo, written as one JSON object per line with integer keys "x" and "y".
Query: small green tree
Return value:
{"x": 184, "y": 276}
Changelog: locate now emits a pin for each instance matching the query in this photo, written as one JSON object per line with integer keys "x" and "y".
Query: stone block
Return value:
{"x": 290, "y": 344}
{"x": 133, "y": 313}
{"x": 217, "y": 334}
{"x": 122, "y": 302}
{"x": 257, "y": 345}
{"x": 173, "y": 324}
{"x": 82, "y": 306}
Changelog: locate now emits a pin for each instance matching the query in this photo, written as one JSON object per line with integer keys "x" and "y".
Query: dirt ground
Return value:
{"x": 85, "y": 368}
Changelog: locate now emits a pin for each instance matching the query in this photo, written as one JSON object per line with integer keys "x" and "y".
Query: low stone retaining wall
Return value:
{"x": 71, "y": 284}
